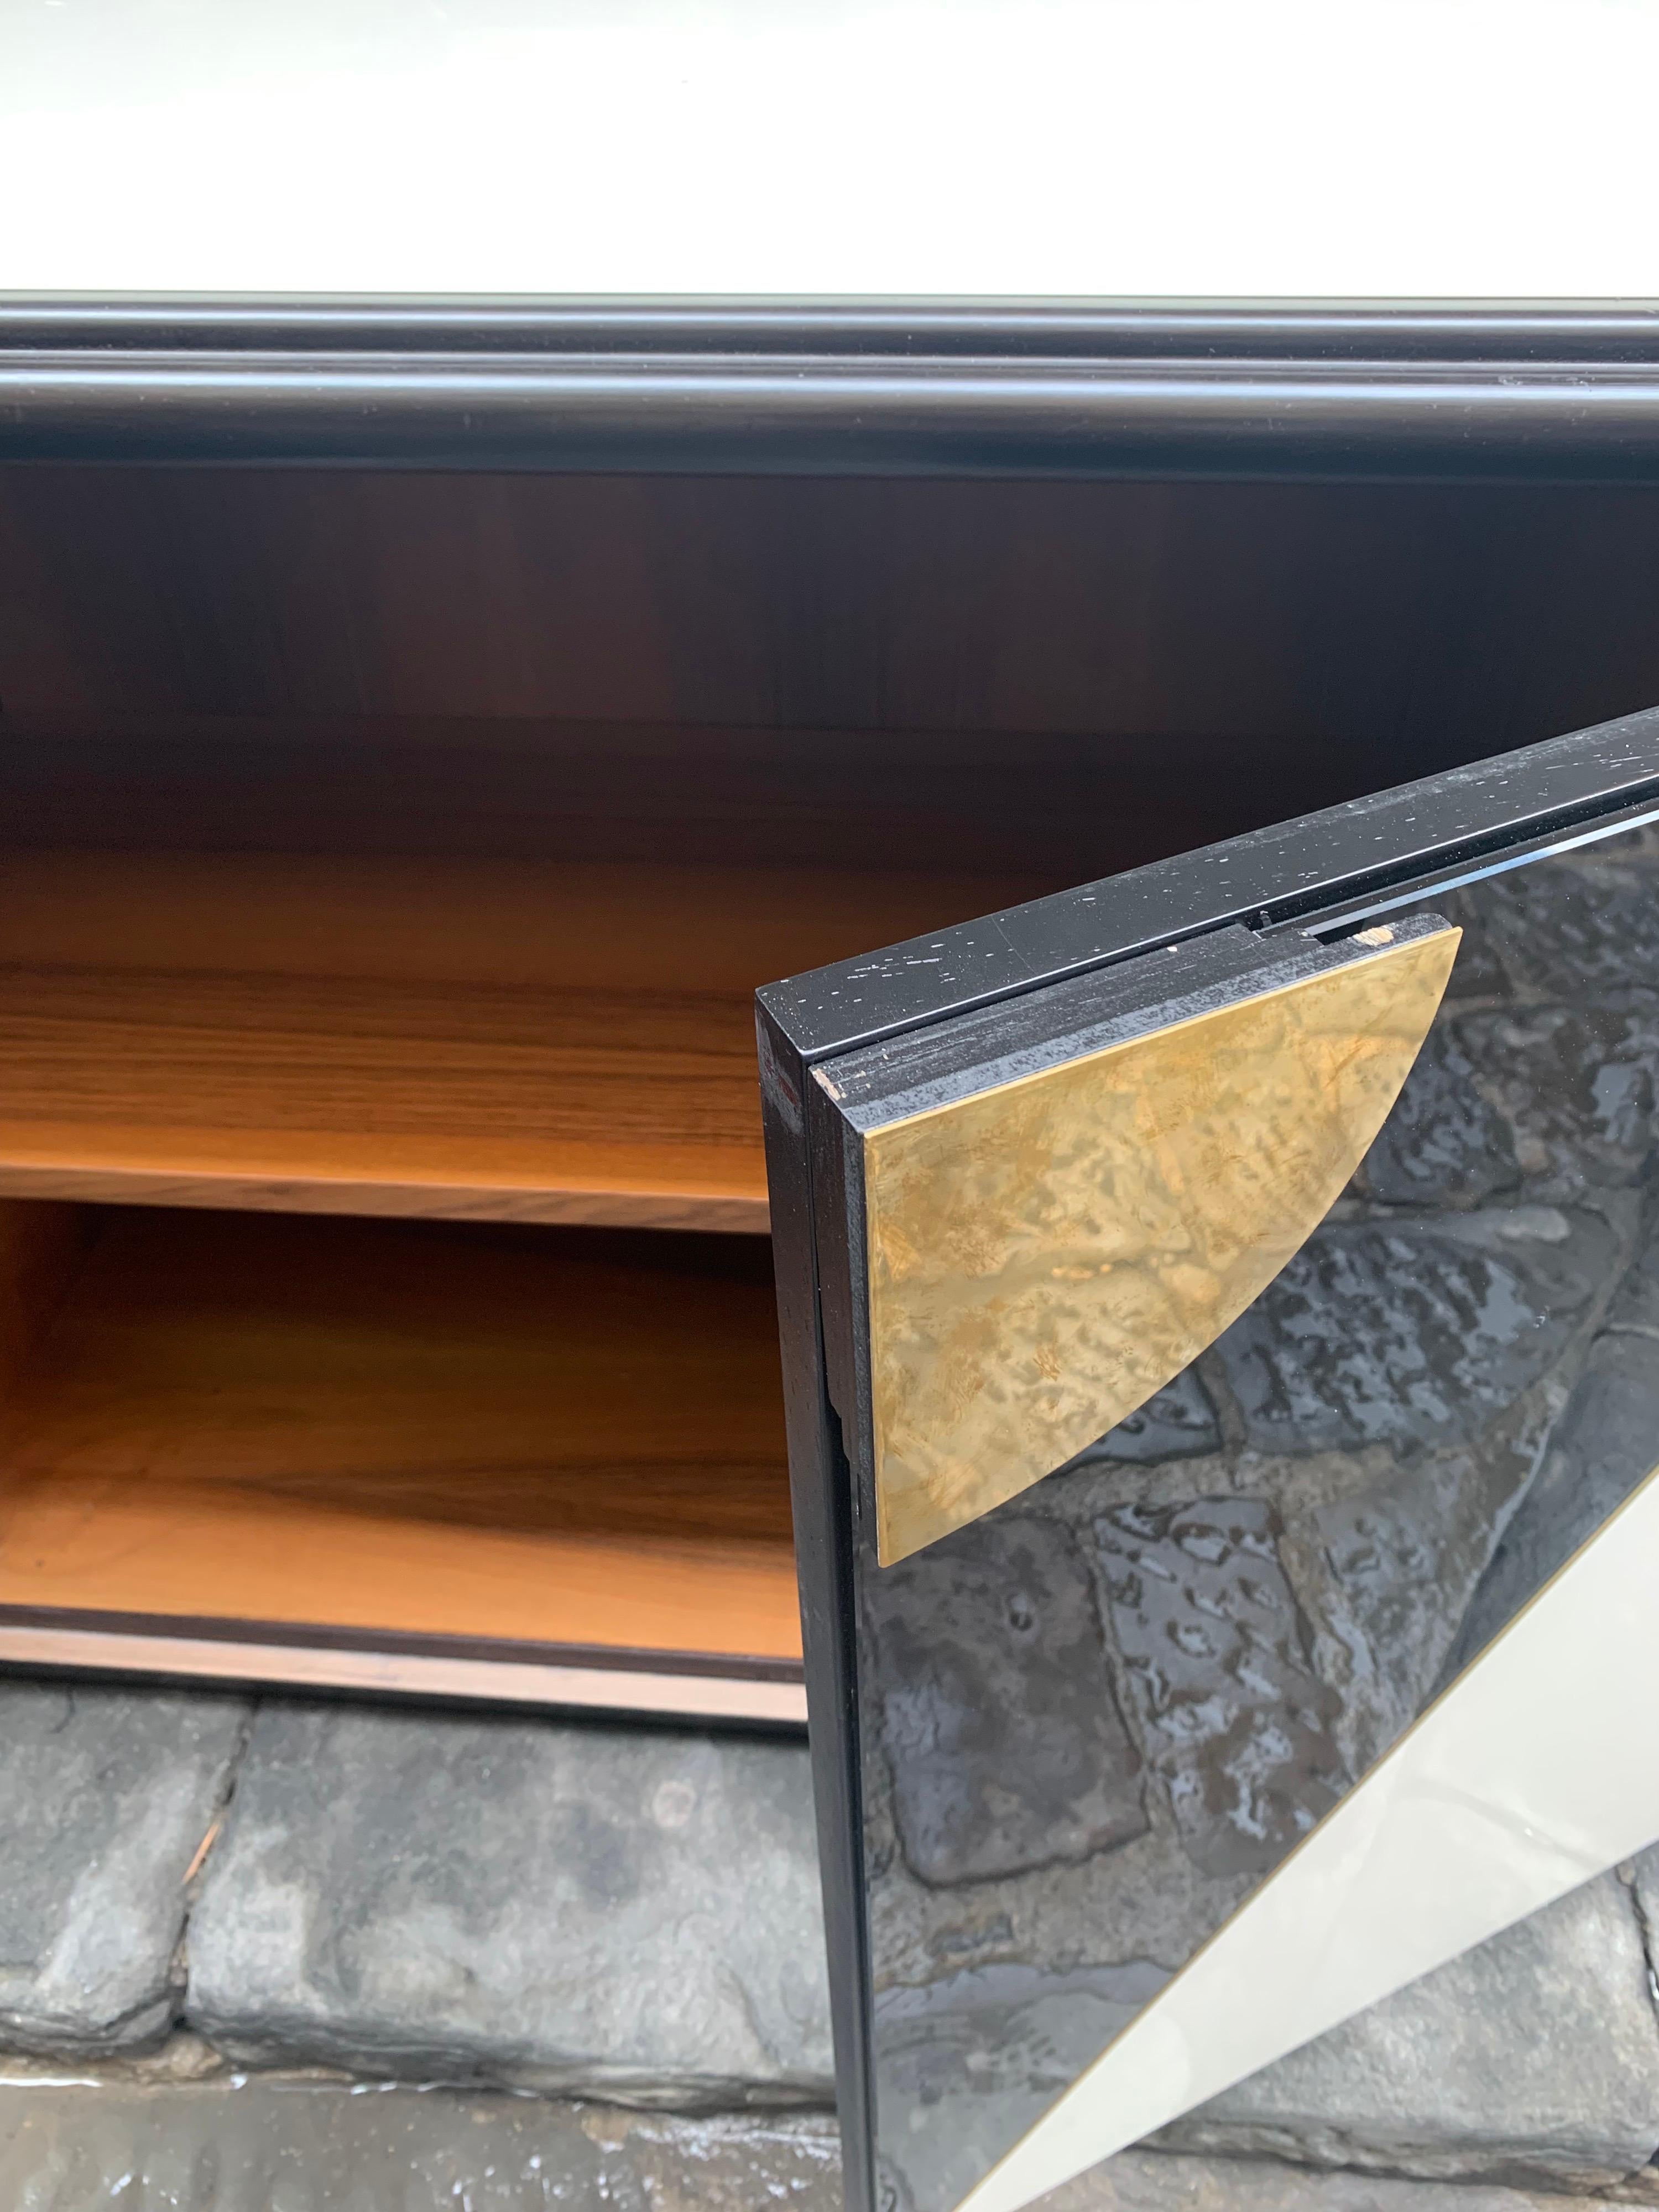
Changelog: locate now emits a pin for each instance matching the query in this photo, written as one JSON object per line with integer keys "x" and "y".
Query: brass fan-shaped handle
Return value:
{"x": 1045, "y": 1254}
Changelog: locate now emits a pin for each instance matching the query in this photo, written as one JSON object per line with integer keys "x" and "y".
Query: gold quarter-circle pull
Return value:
{"x": 1045, "y": 1254}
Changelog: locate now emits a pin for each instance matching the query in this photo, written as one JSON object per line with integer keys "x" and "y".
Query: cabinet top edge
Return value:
{"x": 1320, "y": 390}
{"x": 1422, "y": 330}
{"x": 1314, "y": 871}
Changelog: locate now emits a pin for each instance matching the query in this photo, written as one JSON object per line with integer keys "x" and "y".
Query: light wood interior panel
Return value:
{"x": 392, "y": 1035}
{"x": 558, "y": 1437}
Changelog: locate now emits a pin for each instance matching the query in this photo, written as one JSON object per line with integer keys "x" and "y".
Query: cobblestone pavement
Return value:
{"x": 286, "y": 2144}
{"x": 290, "y": 2144}
{"x": 478, "y": 1904}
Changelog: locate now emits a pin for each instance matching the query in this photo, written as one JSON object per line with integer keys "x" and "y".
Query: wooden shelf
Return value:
{"x": 431, "y": 1440}
{"x": 473, "y": 1039}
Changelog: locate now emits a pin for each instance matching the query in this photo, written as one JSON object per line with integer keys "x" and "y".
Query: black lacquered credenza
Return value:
{"x": 424, "y": 726}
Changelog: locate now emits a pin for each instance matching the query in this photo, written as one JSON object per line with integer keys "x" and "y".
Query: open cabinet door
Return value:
{"x": 1219, "y": 1310}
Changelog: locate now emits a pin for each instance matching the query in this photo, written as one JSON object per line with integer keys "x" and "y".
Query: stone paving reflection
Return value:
{"x": 1288, "y": 1551}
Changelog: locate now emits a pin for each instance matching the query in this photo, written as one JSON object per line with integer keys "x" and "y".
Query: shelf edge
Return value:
{"x": 433, "y": 1674}
{"x": 390, "y": 1200}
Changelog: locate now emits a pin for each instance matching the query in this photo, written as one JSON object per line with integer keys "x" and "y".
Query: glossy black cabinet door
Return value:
{"x": 1219, "y": 1309}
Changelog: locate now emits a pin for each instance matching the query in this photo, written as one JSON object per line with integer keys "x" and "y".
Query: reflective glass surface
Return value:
{"x": 1097, "y": 1720}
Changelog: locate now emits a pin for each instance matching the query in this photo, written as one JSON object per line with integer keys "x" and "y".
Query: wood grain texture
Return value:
{"x": 560, "y": 1436}
{"x": 377, "y": 1035}
{"x": 1324, "y": 611}
{"x": 1058, "y": 808}
{"x": 42, "y": 1249}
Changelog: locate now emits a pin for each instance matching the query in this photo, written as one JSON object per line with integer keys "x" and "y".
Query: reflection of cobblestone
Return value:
{"x": 1575, "y": 1085}
{"x": 1566, "y": 928}
{"x": 1412, "y": 1332}
{"x": 1443, "y": 1394}
{"x": 1178, "y": 1423}
{"x": 1006, "y": 1746}
{"x": 1234, "y": 1721}
{"x": 1479, "y": 973}
{"x": 1444, "y": 1144}
{"x": 1607, "y": 1437}
{"x": 955, "y": 2059}
{"x": 1394, "y": 1562}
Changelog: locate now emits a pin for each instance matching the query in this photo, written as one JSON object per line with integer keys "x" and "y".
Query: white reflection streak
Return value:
{"x": 1514, "y": 1787}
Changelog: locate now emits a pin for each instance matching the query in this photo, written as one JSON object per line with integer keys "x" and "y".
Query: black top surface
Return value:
{"x": 1517, "y": 391}
{"x": 1422, "y": 331}
{"x": 1294, "y": 871}
{"x": 944, "y": 1062}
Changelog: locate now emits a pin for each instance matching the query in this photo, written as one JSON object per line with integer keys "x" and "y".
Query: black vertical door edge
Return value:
{"x": 1323, "y": 874}
{"x": 820, "y": 1495}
